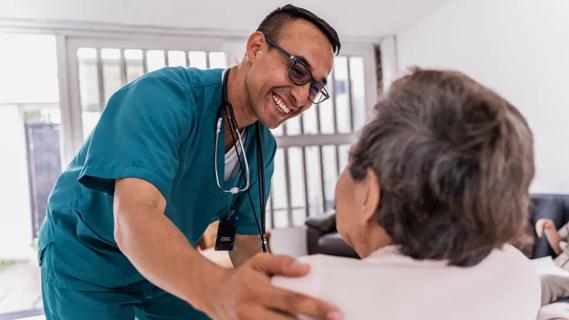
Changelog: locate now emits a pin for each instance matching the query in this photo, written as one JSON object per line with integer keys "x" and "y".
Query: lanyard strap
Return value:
{"x": 233, "y": 127}
{"x": 261, "y": 172}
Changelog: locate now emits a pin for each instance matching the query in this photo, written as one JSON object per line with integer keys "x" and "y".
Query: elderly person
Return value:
{"x": 434, "y": 190}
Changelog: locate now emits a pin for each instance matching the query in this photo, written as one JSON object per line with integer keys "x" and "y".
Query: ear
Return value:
{"x": 372, "y": 197}
{"x": 255, "y": 45}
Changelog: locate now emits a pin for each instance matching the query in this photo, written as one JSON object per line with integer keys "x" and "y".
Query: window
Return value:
{"x": 102, "y": 71}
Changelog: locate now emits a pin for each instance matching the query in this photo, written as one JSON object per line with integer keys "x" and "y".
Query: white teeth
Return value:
{"x": 281, "y": 105}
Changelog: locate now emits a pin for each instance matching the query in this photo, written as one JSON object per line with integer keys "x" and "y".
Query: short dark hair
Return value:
{"x": 454, "y": 161}
{"x": 273, "y": 23}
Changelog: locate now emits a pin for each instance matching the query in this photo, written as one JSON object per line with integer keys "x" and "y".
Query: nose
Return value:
{"x": 300, "y": 95}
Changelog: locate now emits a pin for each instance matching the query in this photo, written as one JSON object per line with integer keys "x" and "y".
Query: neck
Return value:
{"x": 238, "y": 95}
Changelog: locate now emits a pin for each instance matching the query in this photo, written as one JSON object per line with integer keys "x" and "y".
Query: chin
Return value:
{"x": 269, "y": 124}
{"x": 273, "y": 125}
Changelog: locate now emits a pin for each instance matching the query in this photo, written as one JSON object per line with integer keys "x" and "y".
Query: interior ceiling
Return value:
{"x": 351, "y": 18}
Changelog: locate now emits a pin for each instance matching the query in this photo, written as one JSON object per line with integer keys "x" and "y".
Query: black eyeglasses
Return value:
{"x": 300, "y": 74}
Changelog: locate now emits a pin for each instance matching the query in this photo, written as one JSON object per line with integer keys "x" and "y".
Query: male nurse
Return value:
{"x": 165, "y": 160}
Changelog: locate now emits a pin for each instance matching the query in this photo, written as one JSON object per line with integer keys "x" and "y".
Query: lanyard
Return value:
{"x": 227, "y": 108}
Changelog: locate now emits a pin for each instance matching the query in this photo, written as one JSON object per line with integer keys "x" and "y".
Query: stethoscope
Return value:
{"x": 227, "y": 109}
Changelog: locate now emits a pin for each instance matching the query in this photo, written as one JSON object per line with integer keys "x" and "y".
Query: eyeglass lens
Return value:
{"x": 300, "y": 75}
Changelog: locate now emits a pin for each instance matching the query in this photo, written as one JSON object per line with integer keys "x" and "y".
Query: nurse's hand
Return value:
{"x": 247, "y": 293}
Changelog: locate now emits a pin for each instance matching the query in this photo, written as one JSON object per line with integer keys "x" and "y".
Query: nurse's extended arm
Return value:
{"x": 163, "y": 255}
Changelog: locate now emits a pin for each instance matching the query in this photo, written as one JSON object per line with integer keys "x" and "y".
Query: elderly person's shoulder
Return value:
{"x": 505, "y": 262}
{"x": 396, "y": 286}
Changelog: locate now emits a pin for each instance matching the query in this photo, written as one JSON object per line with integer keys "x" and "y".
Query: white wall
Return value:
{"x": 519, "y": 48}
{"x": 15, "y": 218}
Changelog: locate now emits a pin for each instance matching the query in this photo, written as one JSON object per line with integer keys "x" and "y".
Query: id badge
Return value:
{"x": 226, "y": 232}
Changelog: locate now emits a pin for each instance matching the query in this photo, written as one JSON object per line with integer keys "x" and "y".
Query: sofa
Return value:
{"x": 322, "y": 236}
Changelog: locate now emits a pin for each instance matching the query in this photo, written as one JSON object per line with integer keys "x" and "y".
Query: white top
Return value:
{"x": 389, "y": 285}
{"x": 232, "y": 161}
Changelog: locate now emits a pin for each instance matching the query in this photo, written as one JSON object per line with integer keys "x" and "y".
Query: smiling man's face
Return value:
{"x": 274, "y": 97}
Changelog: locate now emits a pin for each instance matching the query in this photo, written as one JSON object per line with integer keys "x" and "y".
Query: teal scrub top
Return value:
{"x": 160, "y": 128}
